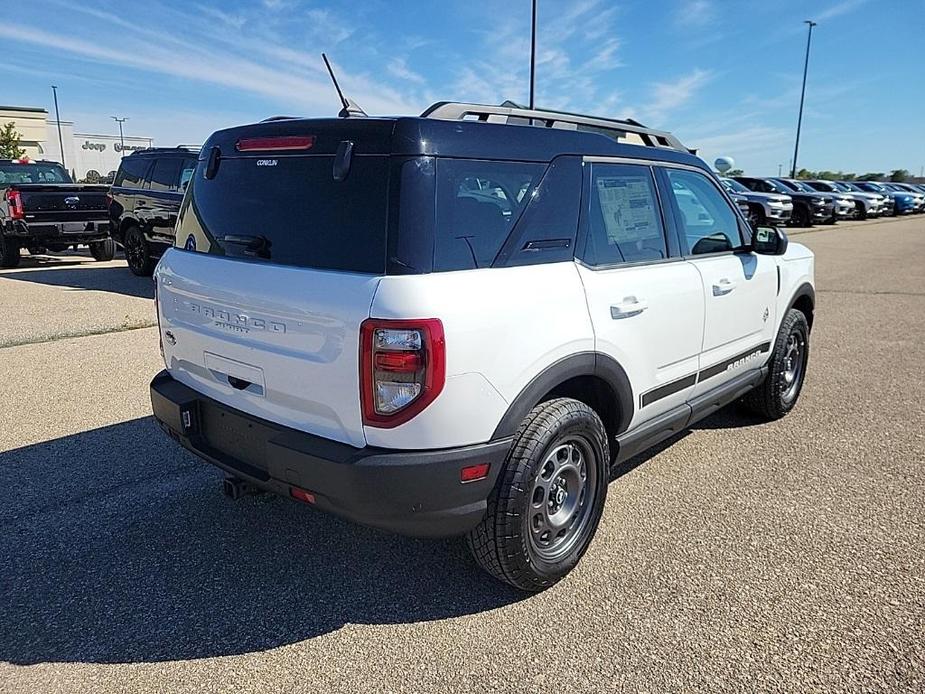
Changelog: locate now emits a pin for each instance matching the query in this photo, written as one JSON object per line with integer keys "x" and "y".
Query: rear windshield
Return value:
{"x": 290, "y": 210}
{"x": 32, "y": 173}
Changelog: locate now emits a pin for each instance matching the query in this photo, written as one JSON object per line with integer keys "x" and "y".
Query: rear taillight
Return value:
{"x": 108, "y": 199}
{"x": 14, "y": 199}
{"x": 402, "y": 368}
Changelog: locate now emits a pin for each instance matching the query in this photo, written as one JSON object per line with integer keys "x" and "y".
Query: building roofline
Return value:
{"x": 24, "y": 109}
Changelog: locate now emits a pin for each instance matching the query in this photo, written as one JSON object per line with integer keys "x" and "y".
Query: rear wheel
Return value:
{"x": 862, "y": 210}
{"x": 103, "y": 250}
{"x": 9, "y": 252}
{"x": 137, "y": 252}
{"x": 549, "y": 497}
{"x": 779, "y": 392}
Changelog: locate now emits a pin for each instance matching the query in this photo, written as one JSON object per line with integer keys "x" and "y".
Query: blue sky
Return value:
{"x": 723, "y": 75}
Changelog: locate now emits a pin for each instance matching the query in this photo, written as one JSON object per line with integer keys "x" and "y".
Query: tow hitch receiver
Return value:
{"x": 236, "y": 488}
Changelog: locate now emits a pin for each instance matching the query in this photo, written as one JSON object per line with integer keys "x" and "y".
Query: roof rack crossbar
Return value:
{"x": 452, "y": 110}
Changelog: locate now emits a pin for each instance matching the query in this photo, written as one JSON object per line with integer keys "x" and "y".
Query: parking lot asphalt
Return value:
{"x": 742, "y": 556}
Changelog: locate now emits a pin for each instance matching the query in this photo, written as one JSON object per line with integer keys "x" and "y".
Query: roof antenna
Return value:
{"x": 350, "y": 109}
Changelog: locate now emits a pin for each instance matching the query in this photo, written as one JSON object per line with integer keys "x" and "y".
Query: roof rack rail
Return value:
{"x": 178, "y": 148}
{"x": 629, "y": 131}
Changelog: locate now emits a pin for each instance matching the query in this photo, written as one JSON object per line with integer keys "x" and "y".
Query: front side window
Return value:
{"x": 624, "y": 224}
{"x": 706, "y": 221}
{"x": 186, "y": 172}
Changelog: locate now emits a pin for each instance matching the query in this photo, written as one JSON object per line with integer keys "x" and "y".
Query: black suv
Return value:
{"x": 146, "y": 196}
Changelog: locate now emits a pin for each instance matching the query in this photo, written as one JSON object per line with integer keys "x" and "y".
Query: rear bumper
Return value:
{"x": 408, "y": 492}
{"x": 60, "y": 232}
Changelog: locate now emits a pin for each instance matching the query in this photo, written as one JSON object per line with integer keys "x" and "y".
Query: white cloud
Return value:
{"x": 399, "y": 68}
{"x": 668, "y": 96}
{"x": 839, "y": 9}
{"x": 215, "y": 67}
{"x": 694, "y": 13}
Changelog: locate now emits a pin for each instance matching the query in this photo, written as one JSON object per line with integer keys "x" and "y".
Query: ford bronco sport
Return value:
{"x": 457, "y": 324}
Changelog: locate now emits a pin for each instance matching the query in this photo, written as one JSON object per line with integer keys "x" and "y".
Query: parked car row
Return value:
{"x": 804, "y": 203}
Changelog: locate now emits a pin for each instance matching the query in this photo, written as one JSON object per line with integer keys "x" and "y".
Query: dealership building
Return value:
{"x": 84, "y": 153}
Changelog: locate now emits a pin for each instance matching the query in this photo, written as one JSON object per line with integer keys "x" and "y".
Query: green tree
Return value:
{"x": 871, "y": 177}
{"x": 806, "y": 173}
{"x": 9, "y": 142}
{"x": 899, "y": 175}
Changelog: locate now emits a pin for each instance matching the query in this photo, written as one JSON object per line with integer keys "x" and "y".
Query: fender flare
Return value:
{"x": 804, "y": 290}
{"x": 581, "y": 364}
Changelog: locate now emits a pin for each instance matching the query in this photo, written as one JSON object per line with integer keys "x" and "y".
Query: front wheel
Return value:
{"x": 801, "y": 216}
{"x": 103, "y": 250}
{"x": 781, "y": 388}
{"x": 549, "y": 497}
{"x": 137, "y": 252}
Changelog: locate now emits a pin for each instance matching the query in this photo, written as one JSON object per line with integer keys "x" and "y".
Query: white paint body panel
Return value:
{"x": 740, "y": 293}
{"x": 659, "y": 344}
{"x": 297, "y": 329}
{"x": 505, "y": 325}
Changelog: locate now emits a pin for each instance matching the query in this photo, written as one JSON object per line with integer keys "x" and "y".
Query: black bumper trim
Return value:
{"x": 414, "y": 493}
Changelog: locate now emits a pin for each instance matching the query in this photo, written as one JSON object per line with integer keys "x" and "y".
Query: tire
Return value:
{"x": 9, "y": 252}
{"x": 137, "y": 252}
{"x": 103, "y": 250}
{"x": 780, "y": 390}
{"x": 559, "y": 460}
{"x": 801, "y": 216}
{"x": 862, "y": 211}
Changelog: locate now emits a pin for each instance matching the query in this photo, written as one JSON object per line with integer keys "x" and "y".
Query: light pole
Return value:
{"x": 120, "y": 121}
{"x": 796, "y": 146}
{"x": 779, "y": 167}
{"x": 54, "y": 90}
{"x": 532, "y": 55}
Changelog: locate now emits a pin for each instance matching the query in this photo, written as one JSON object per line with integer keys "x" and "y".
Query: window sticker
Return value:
{"x": 628, "y": 208}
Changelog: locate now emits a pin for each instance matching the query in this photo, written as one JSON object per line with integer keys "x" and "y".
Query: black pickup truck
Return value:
{"x": 42, "y": 210}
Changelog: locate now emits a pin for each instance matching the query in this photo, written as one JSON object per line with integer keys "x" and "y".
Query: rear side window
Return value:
{"x": 166, "y": 174}
{"x": 624, "y": 223}
{"x": 478, "y": 203}
{"x": 288, "y": 209}
{"x": 132, "y": 172}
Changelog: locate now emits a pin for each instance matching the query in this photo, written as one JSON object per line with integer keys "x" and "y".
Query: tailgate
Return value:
{"x": 277, "y": 342}
{"x": 63, "y": 203}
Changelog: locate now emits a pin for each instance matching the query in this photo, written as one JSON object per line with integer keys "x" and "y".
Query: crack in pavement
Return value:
{"x": 80, "y": 333}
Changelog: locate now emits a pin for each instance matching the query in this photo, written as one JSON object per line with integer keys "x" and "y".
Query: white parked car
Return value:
{"x": 456, "y": 325}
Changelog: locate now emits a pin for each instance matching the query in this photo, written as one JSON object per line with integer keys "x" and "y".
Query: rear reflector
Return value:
{"x": 474, "y": 472}
{"x": 302, "y": 495}
{"x": 275, "y": 144}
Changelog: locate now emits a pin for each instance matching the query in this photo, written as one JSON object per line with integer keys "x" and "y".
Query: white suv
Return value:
{"x": 455, "y": 324}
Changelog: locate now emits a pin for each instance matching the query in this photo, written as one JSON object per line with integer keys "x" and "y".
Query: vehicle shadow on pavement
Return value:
{"x": 729, "y": 417}
{"x": 87, "y": 276}
{"x": 119, "y": 547}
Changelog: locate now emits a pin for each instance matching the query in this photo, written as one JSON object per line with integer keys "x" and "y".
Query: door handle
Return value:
{"x": 630, "y": 306}
{"x": 723, "y": 287}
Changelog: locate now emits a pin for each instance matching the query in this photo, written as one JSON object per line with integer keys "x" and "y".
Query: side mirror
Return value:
{"x": 769, "y": 241}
